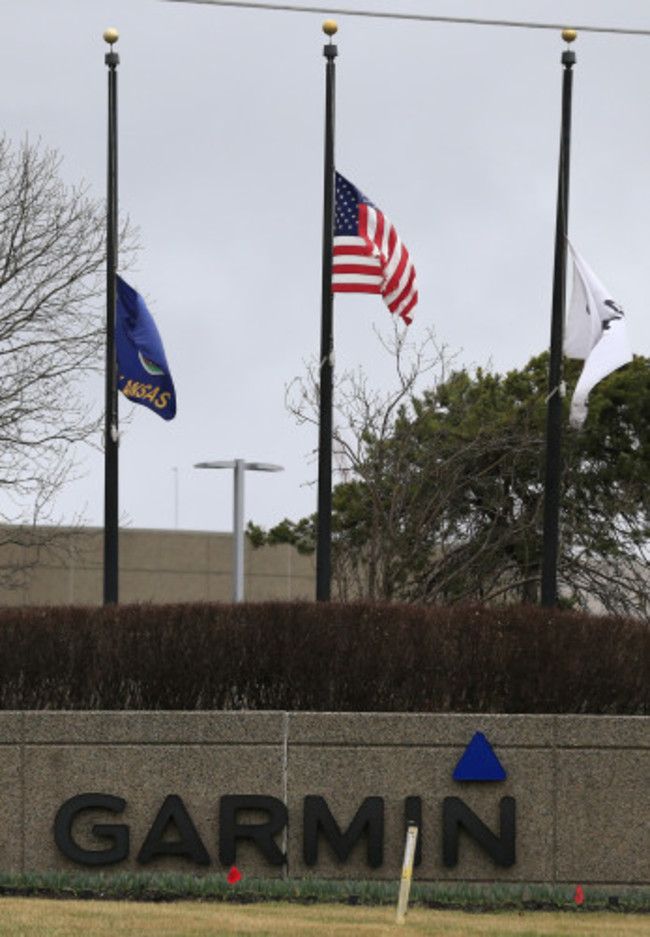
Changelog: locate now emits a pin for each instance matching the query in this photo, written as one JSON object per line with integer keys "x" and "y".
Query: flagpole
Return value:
{"x": 553, "y": 468}
{"x": 324, "y": 531}
{"x": 110, "y": 417}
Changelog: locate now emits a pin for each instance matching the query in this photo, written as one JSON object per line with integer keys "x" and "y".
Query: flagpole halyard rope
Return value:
{"x": 558, "y": 389}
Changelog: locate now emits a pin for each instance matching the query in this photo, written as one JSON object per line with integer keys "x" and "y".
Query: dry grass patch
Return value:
{"x": 65, "y": 918}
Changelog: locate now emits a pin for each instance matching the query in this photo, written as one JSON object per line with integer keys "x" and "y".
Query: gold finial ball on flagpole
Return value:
{"x": 111, "y": 36}
{"x": 569, "y": 35}
{"x": 330, "y": 27}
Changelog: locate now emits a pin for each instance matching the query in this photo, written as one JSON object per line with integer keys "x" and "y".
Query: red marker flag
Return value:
{"x": 234, "y": 875}
{"x": 579, "y": 896}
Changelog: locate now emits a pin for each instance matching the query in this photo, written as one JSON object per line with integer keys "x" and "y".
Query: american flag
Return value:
{"x": 369, "y": 257}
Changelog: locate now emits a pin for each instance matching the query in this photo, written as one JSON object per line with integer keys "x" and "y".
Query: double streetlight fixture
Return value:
{"x": 239, "y": 466}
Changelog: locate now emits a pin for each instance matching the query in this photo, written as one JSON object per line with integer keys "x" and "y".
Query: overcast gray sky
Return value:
{"x": 453, "y": 130}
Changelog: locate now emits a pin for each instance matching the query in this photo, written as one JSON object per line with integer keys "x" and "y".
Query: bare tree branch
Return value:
{"x": 52, "y": 313}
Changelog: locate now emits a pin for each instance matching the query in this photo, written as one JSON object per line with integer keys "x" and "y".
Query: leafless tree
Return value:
{"x": 440, "y": 494}
{"x": 52, "y": 283}
{"x": 366, "y": 456}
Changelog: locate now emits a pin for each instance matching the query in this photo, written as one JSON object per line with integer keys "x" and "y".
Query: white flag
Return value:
{"x": 596, "y": 332}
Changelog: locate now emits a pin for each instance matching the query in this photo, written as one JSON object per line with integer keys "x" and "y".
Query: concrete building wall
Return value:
{"x": 66, "y": 567}
{"x": 575, "y": 787}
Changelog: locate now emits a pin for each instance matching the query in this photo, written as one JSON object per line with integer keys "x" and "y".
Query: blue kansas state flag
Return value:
{"x": 143, "y": 373}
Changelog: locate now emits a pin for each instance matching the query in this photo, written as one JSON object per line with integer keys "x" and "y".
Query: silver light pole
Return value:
{"x": 239, "y": 466}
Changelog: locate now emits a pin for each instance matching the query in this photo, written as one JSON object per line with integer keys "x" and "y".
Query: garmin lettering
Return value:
{"x": 174, "y": 834}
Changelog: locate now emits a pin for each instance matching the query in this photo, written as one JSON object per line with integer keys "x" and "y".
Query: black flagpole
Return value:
{"x": 324, "y": 532}
{"x": 553, "y": 469}
{"x": 110, "y": 419}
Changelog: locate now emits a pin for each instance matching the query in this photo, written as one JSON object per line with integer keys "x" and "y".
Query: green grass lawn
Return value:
{"x": 43, "y": 917}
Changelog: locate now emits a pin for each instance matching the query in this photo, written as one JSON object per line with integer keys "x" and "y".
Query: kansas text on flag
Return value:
{"x": 143, "y": 372}
{"x": 369, "y": 256}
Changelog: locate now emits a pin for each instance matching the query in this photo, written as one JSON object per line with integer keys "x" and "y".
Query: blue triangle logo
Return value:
{"x": 479, "y": 763}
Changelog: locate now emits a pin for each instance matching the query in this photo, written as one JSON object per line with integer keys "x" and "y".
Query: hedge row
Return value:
{"x": 323, "y": 657}
{"x": 184, "y": 886}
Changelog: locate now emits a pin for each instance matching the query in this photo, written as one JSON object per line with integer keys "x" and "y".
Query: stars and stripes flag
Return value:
{"x": 596, "y": 332}
{"x": 369, "y": 256}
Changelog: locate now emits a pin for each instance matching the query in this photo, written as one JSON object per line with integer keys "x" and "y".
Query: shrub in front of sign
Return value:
{"x": 324, "y": 657}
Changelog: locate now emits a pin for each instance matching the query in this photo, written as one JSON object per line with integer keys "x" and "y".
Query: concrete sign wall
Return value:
{"x": 536, "y": 799}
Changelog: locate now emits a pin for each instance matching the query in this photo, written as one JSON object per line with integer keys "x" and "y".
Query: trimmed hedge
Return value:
{"x": 323, "y": 657}
{"x": 181, "y": 886}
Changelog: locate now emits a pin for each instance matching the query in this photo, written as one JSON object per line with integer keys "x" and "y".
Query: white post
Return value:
{"x": 407, "y": 873}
